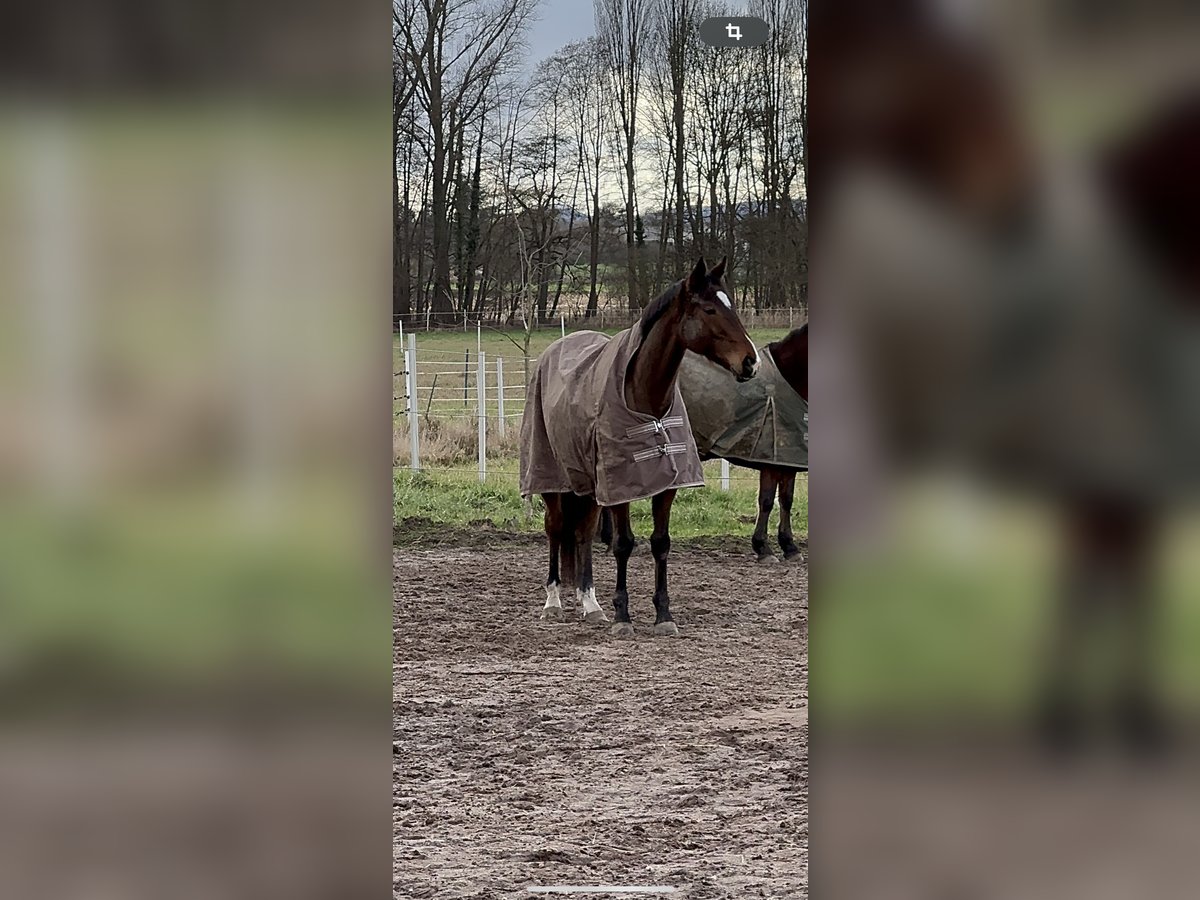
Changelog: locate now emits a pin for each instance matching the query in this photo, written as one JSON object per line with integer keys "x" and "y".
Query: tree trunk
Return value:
{"x": 714, "y": 233}
{"x": 677, "y": 85}
{"x": 594, "y": 250}
{"x": 401, "y": 296}
{"x": 539, "y": 274}
{"x": 443, "y": 308}
{"x": 662, "y": 238}
{"x": 472, "y": 243}
{"x": 630, "y": 247}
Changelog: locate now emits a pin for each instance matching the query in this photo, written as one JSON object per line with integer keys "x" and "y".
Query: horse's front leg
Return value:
{"x": 622, "y": 548}
{"x": 787, "y": 492}
{"x": 585, "y": 589}
{"x": 660, "y": 546}
{"x": 767, "y": 479}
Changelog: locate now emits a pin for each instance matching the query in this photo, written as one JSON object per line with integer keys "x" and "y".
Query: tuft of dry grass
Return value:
{"x": 453, "y": 441}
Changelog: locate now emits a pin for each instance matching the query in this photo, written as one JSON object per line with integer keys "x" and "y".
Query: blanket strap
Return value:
{"x": 660, "y": 450}
{"x": 658, "y": 426}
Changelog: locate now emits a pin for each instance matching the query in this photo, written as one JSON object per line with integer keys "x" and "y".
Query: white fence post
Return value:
{"x": 481, "y": 398}
{"x": 411, "y": 367}
{"x": 724, "y": 474}
{"x": 563, "y": 321}
{"x": 500, "y": 394}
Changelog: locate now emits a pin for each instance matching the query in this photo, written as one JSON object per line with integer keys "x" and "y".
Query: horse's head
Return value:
{"x": 709, "y": 324}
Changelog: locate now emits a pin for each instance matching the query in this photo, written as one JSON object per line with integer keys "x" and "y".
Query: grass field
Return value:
{"x": 458, "y": 498}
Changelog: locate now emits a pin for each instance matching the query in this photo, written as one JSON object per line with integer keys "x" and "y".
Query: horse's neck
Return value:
{"x": 792, "y": 365}
{"x": 650, "y": 383}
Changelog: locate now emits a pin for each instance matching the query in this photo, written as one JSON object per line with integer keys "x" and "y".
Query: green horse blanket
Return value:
{"x": 755, "y": 423}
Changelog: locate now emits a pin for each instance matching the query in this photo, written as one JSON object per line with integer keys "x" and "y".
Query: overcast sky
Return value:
{"x": 561, "y": 21}
{"x": 558, "y": 22}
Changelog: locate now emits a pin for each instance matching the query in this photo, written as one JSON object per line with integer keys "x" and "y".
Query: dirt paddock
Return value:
{"x": 528, "y": 753}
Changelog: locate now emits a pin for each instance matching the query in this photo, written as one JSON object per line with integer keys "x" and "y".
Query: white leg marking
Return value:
{"x": 552, "y": 597}
{"x": 587, "y": 599}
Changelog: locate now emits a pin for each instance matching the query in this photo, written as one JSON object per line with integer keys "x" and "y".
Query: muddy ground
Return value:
{"x": 530, "y": 754}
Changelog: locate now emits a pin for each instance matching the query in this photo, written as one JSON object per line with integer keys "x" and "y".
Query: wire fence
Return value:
{"x": 604, "y": 319}
{"x": 450, "y": 403}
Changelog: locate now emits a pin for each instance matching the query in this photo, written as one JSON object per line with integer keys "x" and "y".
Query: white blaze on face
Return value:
{"x": 724, "y": 299}
{"x": 552, "y": 597}
{"x": 757, "y": 356}
{"x": 587, "y": 599}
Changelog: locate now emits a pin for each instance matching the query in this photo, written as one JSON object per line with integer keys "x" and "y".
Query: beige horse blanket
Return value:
{"x": 578, "y": 436}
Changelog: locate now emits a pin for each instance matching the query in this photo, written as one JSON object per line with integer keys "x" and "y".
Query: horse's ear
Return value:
{"x": 718, "y": 271}
{"x": 699, "y": 277}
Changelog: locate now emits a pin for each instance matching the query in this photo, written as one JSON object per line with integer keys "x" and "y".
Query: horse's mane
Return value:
{"x": 655, "y": 308}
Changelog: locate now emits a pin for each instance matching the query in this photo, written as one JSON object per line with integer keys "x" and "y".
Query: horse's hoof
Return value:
{"x": 768, "y": 559}
{"x": 622, "y": 629}
{"x": 793, "y": 555}
{"x": 666, "y": 629}
{"x": 552, "y": 614}
{"x": 596, "y": 617}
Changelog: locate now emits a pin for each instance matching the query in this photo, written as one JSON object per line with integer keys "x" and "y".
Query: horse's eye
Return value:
{"x": 710, "y": 310}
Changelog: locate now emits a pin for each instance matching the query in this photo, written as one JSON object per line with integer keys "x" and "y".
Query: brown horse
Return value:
{"x": 604, "y": 425}
{"x": 915, "y": 122}
{"x": 790, "y": 356}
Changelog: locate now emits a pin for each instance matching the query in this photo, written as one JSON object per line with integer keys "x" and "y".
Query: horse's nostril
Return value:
{"x": 748, "y": 365}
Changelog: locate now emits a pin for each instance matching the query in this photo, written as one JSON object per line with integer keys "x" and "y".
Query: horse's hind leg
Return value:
{"x": 585, "y": 533}
{"x": 767, "y": 479}
{"x": 787, "y": 490}
{"x": 606, "y": 527}
{"x": 660, "y": 546}
{"x": 567, "y": 544}
{"x": 552, "y": 611}
{"x": 622, "y": 548}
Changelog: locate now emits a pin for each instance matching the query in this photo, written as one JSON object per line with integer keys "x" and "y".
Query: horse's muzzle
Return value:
{"x": 749, "y": 368}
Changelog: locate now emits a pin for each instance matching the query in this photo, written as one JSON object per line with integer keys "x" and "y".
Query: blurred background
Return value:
{"x": 1004, "y": 573}
{"x": 194, "y": 352}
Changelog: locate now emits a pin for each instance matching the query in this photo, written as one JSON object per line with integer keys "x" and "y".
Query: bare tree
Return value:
{"x": 777, "y": 113}
{"x": 622, "y": 27}
{"x": 650, "y": 137}
{"x": 676, "y": 30}
{"x": 589, "y": 121}
{"x": 454, "y": 50}
{"x": 403, "y": 88}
